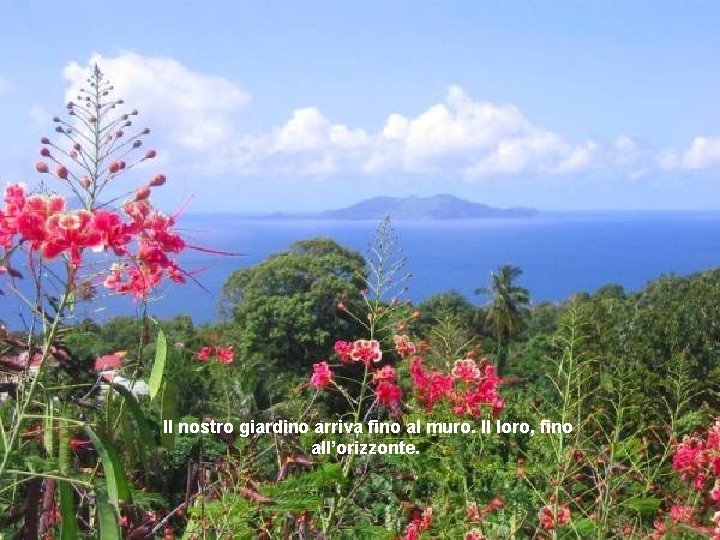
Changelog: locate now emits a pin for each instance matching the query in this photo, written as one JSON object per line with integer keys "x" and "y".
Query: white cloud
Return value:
{"x": 197, "y": 118}
{"x": 197, "y": 111}
{"x": 459, "y": 136}
{"x": 703, "y": 153}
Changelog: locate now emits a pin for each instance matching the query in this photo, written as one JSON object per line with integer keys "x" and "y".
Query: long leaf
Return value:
{"x": 158, "y": 369}
{"x": 146, "y": 438}
{"x": 108, "y": 517}
{"x": 64, "y": 446}
{"x": 68, "y": 526}
{"x": 118, "y": 489}
{"x": 48, "y": 432}
{"x": 168, "y": 412}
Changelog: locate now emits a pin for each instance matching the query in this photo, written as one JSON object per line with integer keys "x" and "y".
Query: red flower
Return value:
{"x": 226, "y": 355}
{"x": 322, "y": 376}
{"x": 388, "y": 394}
{"x": 386, "y": 373}
{"x": 404, "y": 346}
{"x": 366, "y": 351}
{"x": 204, "y": 353}
{"x": 681, "y": 514}
{"x": 549, "y": 522}
{"x": 343, "y": 350}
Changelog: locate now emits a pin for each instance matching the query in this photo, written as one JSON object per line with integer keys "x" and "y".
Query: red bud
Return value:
{"x": 142, "y": 193}
{"x": 41, "y": 167}
{"x": 44, "y": 152}
{"x": 157, "y": 180}
{"x": 61, "y": 172}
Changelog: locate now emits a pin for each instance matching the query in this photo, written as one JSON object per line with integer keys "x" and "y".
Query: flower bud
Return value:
{"x": 150, "y": 154}
{"x": 157, "y": 180}
{"x": 85, "y": 182}
{"x": 73, "y": 154}
{"x": 119, "y": 133}
{"x": 114, "y": 167}
{"x": 77, "y": 146}
{"x": 145, "y": 131}
{"x": 41, "y": 167}
{"x": 61, "y": 172}
{"x": 137, "y": 143}
{"x": 142, "y": 193}
{"x": 56, "y": 118}
{"x": 44, "y": 152}
{"x": 45, "y": 140}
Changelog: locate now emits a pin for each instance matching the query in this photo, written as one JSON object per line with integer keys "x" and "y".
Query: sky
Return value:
{"x": 304, "y": 106}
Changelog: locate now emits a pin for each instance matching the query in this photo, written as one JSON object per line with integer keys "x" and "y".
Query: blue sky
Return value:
{"x": 261, "y": 106}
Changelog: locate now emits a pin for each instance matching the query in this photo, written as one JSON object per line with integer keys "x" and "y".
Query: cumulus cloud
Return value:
{"x": 197, "y": 111}
{"x": 703, "y": 153}
{"x": 459, "y": 135}
{"x": 201, "y": 115}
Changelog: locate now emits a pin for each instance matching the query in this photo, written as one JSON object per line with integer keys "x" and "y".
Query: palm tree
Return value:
{"x": 506, "y": 308}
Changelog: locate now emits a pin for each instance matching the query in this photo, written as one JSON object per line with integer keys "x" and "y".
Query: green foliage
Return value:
{"x": 286, "y": 307}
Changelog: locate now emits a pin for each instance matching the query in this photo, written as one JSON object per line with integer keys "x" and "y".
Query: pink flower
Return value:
{"x": 322, "y": 376}
{"x": 366, "y": 351}
{"x": 474, "y": 535}
{"x": 404, "y": 346}
{"x": 226, "y": 355}
{"x": 466, "y": 370}
{"x": 549, "y": 522}
{"x": 343, "y": 349}
{"x": 388, "y": 394}
{"x": 681, "y": 514}
{"x": 386, "y": 373}
{"x": 204, "y": 353}
{"x": 473, "y": 512}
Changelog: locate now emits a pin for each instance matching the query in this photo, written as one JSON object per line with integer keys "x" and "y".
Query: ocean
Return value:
{"x": 560, "y": 254}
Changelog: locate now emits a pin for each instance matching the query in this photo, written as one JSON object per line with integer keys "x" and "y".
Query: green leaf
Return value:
{"x": 48, "y": 431}
{"x": 133, "y": 407}
{"x": 108, "y": 517}
{"x": 68, "y": 526}
{"x": 647, "y": 505}
{"x": 168, "y": 412}
{"x": 158, "y": 369}
{"x": 117, "y": 485}
{"x": 64, "y": 446}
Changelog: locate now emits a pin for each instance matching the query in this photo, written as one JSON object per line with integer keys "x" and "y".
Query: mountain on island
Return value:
{"x": 437, "y": 207}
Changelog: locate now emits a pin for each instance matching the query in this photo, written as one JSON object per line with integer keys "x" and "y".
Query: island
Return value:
{"x": 413, "y": 208}
{"x": 437, "y": 207}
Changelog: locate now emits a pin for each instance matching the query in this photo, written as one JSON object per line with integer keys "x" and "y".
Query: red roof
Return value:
{"x": 109, "y": 362}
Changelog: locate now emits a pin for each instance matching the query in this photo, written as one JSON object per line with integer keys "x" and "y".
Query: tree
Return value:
{"x": 285, "y": 309}
{"x": 506, "y": 309}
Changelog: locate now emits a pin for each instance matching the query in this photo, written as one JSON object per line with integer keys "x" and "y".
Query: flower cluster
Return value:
{"x": 322, "y": 376}
{"x": 549, "y": 520}
{"x": 697, "y": 459}
{"x": 419, "y": 522}
{"x": 140, "y": 233}
{"x": 468, "y": 387}
{"x": 225, "y": 355}
{"x": 368, "y": 353}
